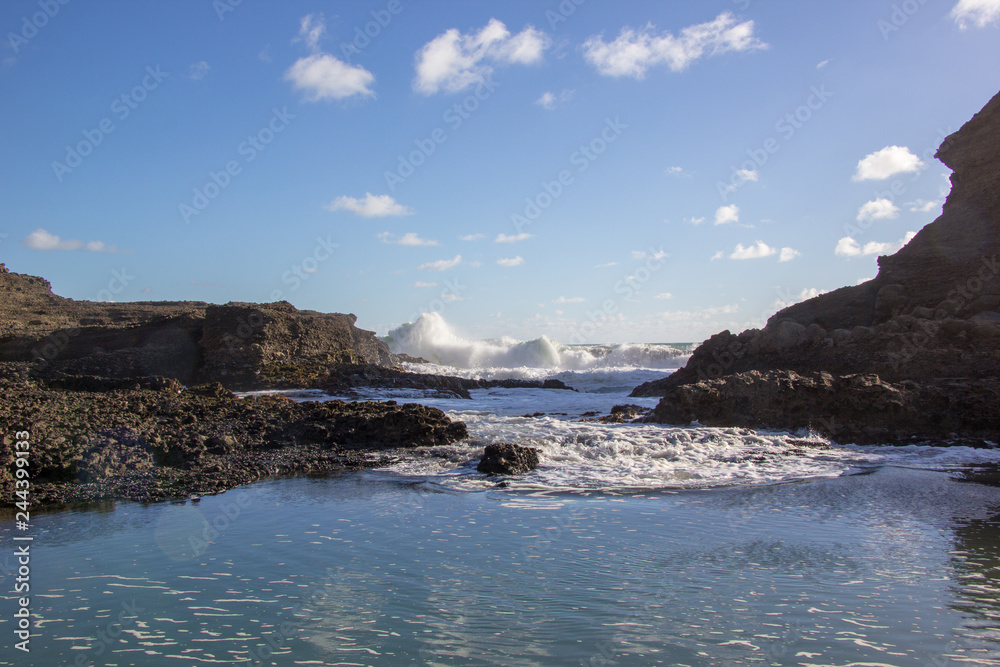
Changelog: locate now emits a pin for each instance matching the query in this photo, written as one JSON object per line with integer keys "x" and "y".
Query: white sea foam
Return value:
{"x": 579, "y": 453}
{"x": 431, "y": 338}
{"x": 591, "y": 455}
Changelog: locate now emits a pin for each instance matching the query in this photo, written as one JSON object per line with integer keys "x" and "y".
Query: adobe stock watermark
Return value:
{"x": 363, "y": 36}
{"x": 899, "y": 16}
{"x": 581, "y": 159}
{"x": 56, "y": 342}
{"x": 963, "y": 292}
{"x": 454, "y": 117}
{"x": 248, "y": 150}
{"x": 121, "y": 108}
{"x": 304, "y": 269}
{"x": 119, "y": 281}
{"x": 223, "y": 7}
{"x": 30, "y": 25}
{"x": 786, "y": 127}
{"x": 626, "y": 288}
{"x": 294, "y": 277}
{"x": 562, "y": 12}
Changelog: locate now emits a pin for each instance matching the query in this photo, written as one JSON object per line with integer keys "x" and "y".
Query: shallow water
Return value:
{"x": 894, "y": 567}
{"x": 632, "y": 544}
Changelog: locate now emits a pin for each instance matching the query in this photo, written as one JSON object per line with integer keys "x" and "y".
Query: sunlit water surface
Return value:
{"x": 633, "y": 544}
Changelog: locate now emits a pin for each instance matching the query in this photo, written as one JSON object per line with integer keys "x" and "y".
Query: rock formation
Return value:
{"x": 190, "y": 341}
{"x": 505, "y": 458}
{"x": 925, "y": 330}
{"x": 155, "y": 441}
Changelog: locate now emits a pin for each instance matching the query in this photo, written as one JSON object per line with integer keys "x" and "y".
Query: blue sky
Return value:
{"x": 593, "y": 171}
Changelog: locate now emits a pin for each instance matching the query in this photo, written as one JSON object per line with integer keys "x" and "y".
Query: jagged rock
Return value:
{"x": 506, "y": 458}
{"x": 929, "y": 316}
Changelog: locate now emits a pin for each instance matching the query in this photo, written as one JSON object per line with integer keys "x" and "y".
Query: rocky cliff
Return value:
{"x": 189, "y": 341}
{"x": 930, "y": 319}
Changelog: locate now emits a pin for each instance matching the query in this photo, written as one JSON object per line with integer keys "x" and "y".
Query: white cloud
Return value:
{"x": 453, "y": 61}
{"x": 878, "y": 209}
{"x": 822, "y": 64}
{"x": 719, "y": 255}
{"x": 547, "y": 101}
{"x": 788, "y": 254}
{"x": 694, "y": 221}
{"x": 371, "y": 206}
{"x": 676, "y": 171}
{"x": 848, "y": 247}
{"x": 575, "y": 299}
{"x": 754, "y": 251}
{"x": 664, "y": 295}
{"x": 472, "y": 237}
{"x": 727, "y": 214}
{"x": 40, "y": 239}
{"x": 198, "y": 70}
{"x": 607, "y": 265}
{"x": 323, "y": 76}
{"x": 886, "y": 163}
{"x": 657, "y": 254}
{"x": 979, "y": 13}
{"x": 422, "y": 284}
{"x": 634, "y": 51}
{"x": 265, "y": 54}
{"x": 924, "y": 206}
{"x": 451, "y": 296}
{"x": 728, "y": 309}
{"x": 441, "y": 264}
{"x": 409, "y": 238}
{"x": 743, "y": 176}
{"x": 504, "y": 238}
{"x": 513, "y": 261}
{"x": 311, "y": 30}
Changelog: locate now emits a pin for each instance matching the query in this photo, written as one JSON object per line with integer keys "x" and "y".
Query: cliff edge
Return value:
{"x": 190, "y": 341}
{"x": 926, "y": 328}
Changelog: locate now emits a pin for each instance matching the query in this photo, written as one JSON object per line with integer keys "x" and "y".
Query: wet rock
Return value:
{"x": 147, "y": 445}
{"x": 506, "y": 458}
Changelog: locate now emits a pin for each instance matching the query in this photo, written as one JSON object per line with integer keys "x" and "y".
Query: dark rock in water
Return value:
{"x": 147, "y": 444}
{"x": 621, "y": 414}
{"x": 924, "y": 327}
{"x": 506, "y": 458}
{"x": 859, "y": 408}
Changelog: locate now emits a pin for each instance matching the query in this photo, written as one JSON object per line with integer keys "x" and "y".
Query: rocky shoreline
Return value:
{"x": 912, "y": 355}
{"x": 155, "y": 440}
{"x": 134, "y": 401}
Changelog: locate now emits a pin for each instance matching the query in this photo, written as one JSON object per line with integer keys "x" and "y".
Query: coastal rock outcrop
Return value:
{"x": 505, "y": 458}
{"x": 150, "y": 440}
{"x": 234, "y": 343}
{"x": 929, "y": 323}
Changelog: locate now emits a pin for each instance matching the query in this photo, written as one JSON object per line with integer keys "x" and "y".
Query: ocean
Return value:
{"x": 632, "y": 544}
